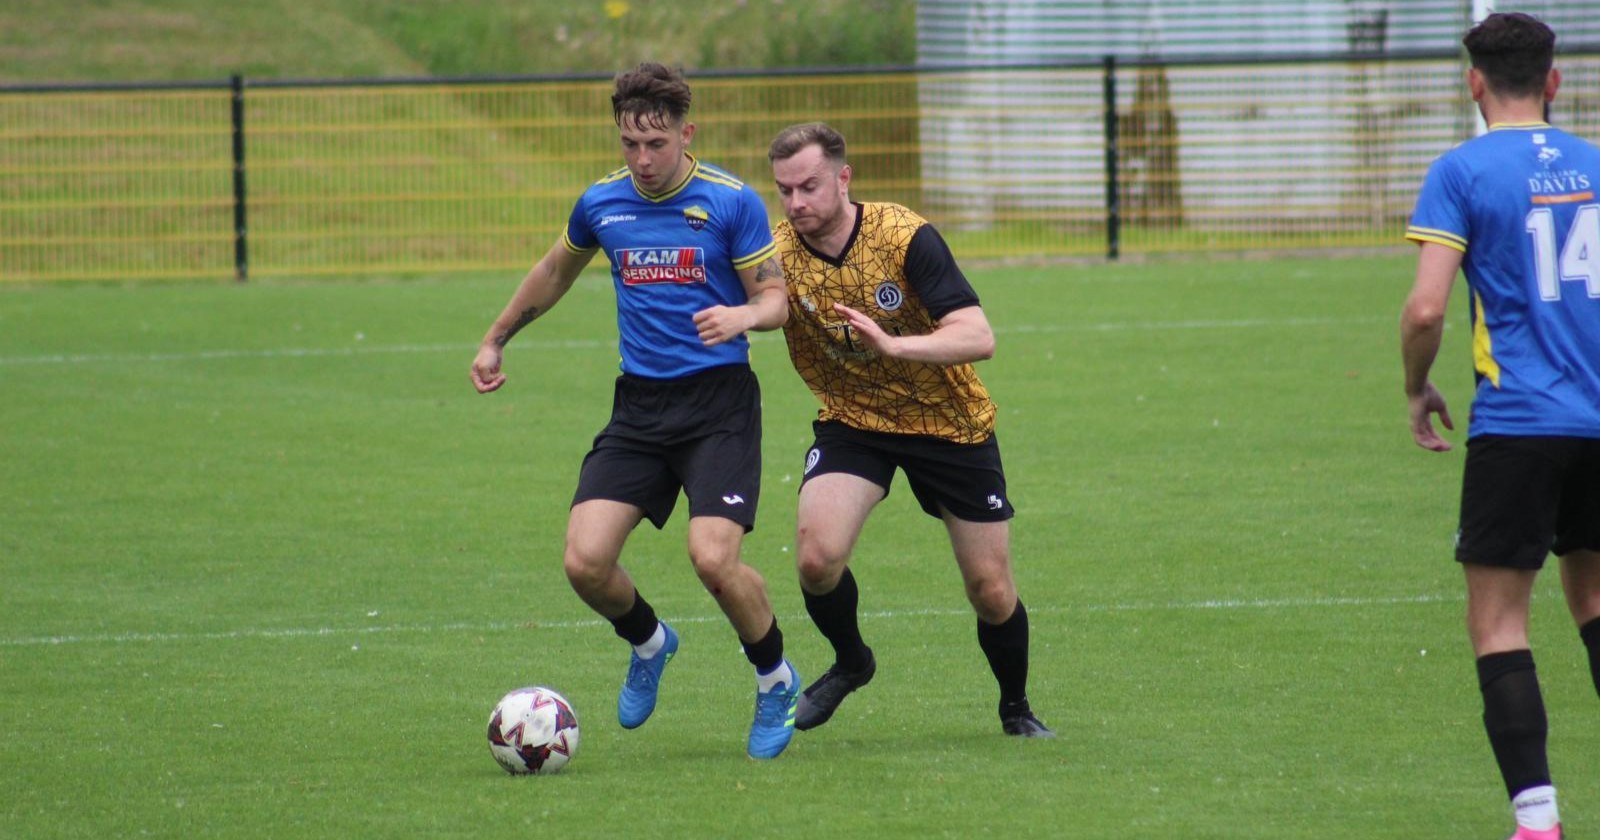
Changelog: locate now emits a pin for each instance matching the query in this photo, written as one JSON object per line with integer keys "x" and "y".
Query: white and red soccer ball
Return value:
{"x": 533, "y": 730}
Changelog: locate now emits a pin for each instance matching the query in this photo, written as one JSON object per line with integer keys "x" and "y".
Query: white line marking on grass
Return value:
{"x": 289, "y": 352}
{"x": 1153, "y": 326}
{"x": 594, "y": 344}
{"x": 1278, "y": 603}
{"x": 1216, "y": 604}
{"x": 479, "y": 627}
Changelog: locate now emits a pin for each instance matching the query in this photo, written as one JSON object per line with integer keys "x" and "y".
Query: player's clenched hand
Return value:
{"x": 867, "y": 331}
{"x": 1423, "y": 406}
{"x": 486, "y": 375}
{"x": 722, "y": 323}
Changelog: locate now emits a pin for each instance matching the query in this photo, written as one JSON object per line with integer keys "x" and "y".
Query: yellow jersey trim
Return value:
{"x": 757, "y": 258}
{"x": 1439, "y": 237}
{"x": 1482, "y": 347}
{"x": 615, "y": 175}
{"x": 708, "y": 175}
{"x": 694, "y": 171}
{"x": 571, "y": 248}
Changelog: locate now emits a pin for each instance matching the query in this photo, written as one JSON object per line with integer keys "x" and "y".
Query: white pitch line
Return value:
{"x": 288, "y": 352}
{"x": 609, "y": 344}
{"x": 1204, "y": 324}
{"x": 471, "y": 627}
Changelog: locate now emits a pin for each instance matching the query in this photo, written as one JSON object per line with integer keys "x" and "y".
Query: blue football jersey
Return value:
{"x": 1520, "y": 203}
{"x": 673, "y": 255}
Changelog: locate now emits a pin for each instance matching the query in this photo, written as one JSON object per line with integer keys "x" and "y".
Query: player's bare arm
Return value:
{"x": 766, "y": 309}
{"x": 545, "y": 283}
{"x": 1421, "y": 330}
{"x": 963, "y": 336}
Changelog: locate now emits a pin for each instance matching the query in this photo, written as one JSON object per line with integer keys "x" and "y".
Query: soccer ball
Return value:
{"x": 533, "y": 730}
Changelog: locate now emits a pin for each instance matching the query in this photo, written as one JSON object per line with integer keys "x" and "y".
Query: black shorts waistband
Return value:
{"x": 712, "y": 374}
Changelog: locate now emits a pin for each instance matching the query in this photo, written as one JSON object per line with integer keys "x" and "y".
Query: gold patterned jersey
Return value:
{"x": 896, "y": 270}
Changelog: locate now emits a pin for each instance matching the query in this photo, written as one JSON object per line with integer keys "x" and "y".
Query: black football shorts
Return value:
{"x": 1524, "y": 498}
{"x": 966, "y": 479}
{"x": 699, "y": 433}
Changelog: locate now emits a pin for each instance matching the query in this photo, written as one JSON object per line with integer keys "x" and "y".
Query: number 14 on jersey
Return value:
{"x": 1578, "y": 257}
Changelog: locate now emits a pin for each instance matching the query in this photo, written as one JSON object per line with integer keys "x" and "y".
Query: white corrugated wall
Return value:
{"x": 1306, "y": 137}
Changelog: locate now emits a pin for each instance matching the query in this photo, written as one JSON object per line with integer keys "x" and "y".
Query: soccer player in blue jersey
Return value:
{"x": 694, "y": 267}
{"x": 1516, "y": 211}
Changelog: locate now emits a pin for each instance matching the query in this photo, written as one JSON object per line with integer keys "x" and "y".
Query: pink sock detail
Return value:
{"x": 1524, "y": 833}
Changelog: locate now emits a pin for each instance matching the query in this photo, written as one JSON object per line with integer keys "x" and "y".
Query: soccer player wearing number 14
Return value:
{"x": 1516, "y": 211}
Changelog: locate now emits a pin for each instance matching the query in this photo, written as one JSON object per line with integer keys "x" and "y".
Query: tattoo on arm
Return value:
{"x": 769, "y": 270}
{"x": 524, "y": 319}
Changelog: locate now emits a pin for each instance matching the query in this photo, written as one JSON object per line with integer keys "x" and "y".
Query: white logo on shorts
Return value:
{"x": 995, "y": 502}
{"x": 735, "y": 499}
{"x": 812, "y": 458}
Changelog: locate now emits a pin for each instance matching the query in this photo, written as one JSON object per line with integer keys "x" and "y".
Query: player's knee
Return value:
{"x": 993, "y": 598}
{"x": 585, "y": 571}
{"x": 1585, "y": 606}
{"x": 713, "y": 565}
{"x": 1581, "y": 579}
{"x": 817, "y": 567}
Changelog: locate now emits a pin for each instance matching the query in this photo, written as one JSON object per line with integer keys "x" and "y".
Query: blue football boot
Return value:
{"x": 774, "y": 723}
{"x": 638, "y": 697}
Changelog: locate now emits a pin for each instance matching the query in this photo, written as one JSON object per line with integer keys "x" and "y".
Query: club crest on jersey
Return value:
{"x": 641, "y": 266}
{"x": 888, "y": 296}
{"x": 696, "y": 217}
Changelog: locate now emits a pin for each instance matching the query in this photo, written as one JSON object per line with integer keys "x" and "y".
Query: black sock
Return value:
{"x": 1006, "y": 647}
{"x": 835, "y": 616}
{"x": 767, "y": 653}
{"x": 1513, "y": 715}
{"x": 639, "y": 623}
{"x": 1590, "y": 633}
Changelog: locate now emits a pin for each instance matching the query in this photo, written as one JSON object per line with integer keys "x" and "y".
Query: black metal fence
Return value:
{"x": 1093, "y": 159}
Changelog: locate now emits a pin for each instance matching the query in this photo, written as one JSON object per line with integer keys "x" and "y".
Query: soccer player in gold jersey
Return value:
{"x": 884, "y": 328}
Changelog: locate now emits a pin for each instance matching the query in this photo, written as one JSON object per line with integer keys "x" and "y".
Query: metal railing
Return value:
{"x": 245, "y": 178}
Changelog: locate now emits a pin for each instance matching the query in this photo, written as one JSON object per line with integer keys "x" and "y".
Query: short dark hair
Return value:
{"x": 1513, "y": 51}
{"x": 791, "y": 140}
{"x": 651, "y": 95}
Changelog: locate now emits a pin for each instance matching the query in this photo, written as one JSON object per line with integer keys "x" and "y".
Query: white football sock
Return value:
{"x": 770, "y": 680}
{"x": 657, "y": 641}
{"x": 1535, "y": 808}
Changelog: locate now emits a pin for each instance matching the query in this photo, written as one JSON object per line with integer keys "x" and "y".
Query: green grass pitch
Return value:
{"x": 267, "y": 561}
